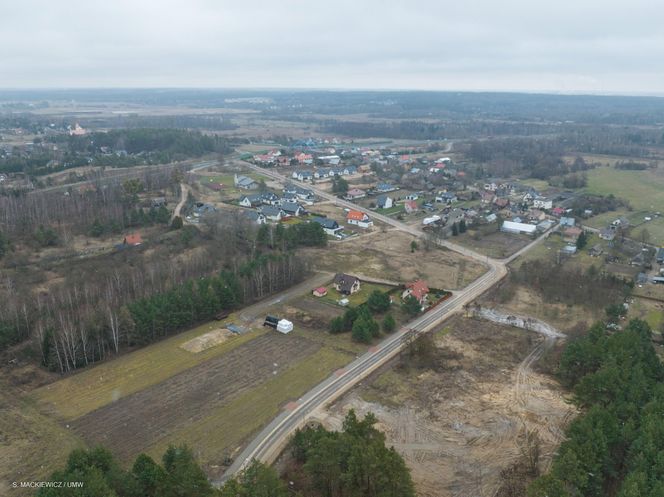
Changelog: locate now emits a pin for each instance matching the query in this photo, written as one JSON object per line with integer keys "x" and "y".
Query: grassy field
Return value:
{"x": 97, "y": 386}
{"x": 32, "y": 445}
{"x": 222, "y": 432}
{"x": 644, "y": 190}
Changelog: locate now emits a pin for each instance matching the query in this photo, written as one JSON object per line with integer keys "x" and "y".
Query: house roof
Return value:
{"x": 290, "y": 207}
{"x": 418, "y": 289}
{"x": 345, "y": 281}
{"x": 411, "y": 204}
{"x": 356, "y": 216}
{"x": 381, "y": 200}
{"x": 253, "y": 215}
{"x": 133, "y": 239}
{"x": 320, "y": 289}
{"x": 326, "y": 222}
{"x": 355, "y": 191}
{"x": 271, "y": 210}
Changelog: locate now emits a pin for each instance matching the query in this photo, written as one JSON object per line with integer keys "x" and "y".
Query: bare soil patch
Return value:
{"x": 206, "y": 341}
{"x": 458, "y": 425}
{"x": 133, "y": 423}
{"x": 387, "y": 255}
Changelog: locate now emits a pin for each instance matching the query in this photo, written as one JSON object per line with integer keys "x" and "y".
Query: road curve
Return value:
{"x": 267, "y": 445}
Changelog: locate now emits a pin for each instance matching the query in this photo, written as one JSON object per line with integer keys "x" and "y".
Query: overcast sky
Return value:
{"x": 605, "y": 46}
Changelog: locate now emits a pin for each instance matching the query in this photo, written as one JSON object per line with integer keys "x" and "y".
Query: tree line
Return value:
{"x": 616, "y": 447}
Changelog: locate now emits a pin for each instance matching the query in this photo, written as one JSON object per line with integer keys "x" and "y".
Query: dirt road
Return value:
{"x": 184, "y": 192}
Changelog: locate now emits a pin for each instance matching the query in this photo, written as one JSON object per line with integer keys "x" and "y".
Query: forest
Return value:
{"x": 616, "y": 447}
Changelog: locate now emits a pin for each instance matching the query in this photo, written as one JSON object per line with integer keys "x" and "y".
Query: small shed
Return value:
{"x": 320, "y": 292}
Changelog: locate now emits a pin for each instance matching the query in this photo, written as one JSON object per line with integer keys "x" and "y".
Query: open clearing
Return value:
{"x": 644, "y": 190}
{"x": 110, "y": 381}
{"x": 497, "y": 244}
{"x": 386, "y": 255}
{"x": 450, "y": 422}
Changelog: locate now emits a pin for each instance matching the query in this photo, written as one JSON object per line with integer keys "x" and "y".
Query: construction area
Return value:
{"x": 475, "y": 393}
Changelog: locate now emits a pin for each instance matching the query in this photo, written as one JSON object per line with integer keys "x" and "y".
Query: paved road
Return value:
{"x": 267, "y": 445}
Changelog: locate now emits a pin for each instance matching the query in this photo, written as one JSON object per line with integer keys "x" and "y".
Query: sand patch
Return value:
{"x": 206, "y": 341}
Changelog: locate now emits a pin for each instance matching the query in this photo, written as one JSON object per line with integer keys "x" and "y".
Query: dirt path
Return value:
{"x": 184, "y": 191}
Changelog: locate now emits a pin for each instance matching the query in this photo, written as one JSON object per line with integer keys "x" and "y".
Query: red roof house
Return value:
{"x": 133, "y": 239}
{"x": 417, "y": 289}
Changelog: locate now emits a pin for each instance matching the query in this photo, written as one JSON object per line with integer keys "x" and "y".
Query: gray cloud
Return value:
{"x": 568, "y": 45}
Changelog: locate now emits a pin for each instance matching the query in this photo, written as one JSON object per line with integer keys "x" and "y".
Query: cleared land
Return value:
{"x": 108, "y": 382}
{"x": 496, "y": 244}
{"x": 189, "y": 396}
{"x": 386, "y": 255}
{"x": 450, "y": 421}
{"x": 644, "y": 190}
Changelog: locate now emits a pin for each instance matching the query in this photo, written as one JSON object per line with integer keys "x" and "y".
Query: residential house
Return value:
{"x": 355, "y": 193}
{"x": 622, "y": 223}
{"x": 384, "y": 202}
{"x": 333, "y": 160}
{"x": 487, "y": 197}
{"x": 349, "y": 170}
{"x": 330, "y": 226}
{"x": 417, "y": 289}
{"x": 201, "y": 209}
{"x": 251, "y": 200}
{"x": 255, "y": 217}
{"x": 410, "y": 206}
{"x": 607, "y": 234}
{"x": 359, "y": 218}
{"x": 446, "y": 198}
{"x": 491, "y": 218}
{"x": 412, "y": 196}
{"x": 557, "y": 211}
{"x": 346, "y": 284}
{"x": 567, "y": 221}
{"x": 272, "y": 213}
{"x": 536, "y": 215}
{"x": 385, "y": 187}
{"x": 292, "y": 209}
{"x": 159, "y": 202}
{"x": 542, "y": 203}
{"x": 303, "y": 175}
{"x": 303, "y": 158}
{"x": 501, "y": 203}
{"x": 322, "y": 173}
{"x": 270, "y": 198}
{"x": 244, "y": 182}
{"x": 572, "y": 234}
{"x": 660, "y": 256}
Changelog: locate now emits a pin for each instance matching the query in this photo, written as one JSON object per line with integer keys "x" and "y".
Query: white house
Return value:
{"x": 359, "y": 219}
{"x": 384, "y": 202}
{"x": 542, "y": 203}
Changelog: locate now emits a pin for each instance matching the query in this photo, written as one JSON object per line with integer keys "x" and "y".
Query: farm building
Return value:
{"x": 346, "y": 284}
{"x": 518, "y": 228}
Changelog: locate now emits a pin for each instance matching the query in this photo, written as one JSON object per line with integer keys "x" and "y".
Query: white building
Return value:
{"x": 518, "y": 228}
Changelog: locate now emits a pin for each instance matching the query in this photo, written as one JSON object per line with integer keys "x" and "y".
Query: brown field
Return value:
{"x": 497, "y": 244}
{"x": 459, "y": 424}
{"x": 386, "y": 255}
{"x": 131, "y": 424}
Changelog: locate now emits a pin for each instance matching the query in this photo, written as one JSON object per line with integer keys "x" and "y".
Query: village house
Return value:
{"x": 244, "y": 182}
{"x": 384, "y": 202}
{"x": 536, "y": 215}
{"x": 417, "y": 289}
{"x": 346, "y": 284}
{"x": 303, "y": 158}
{"x": 322, "y": 173}
{"x": 572, "y": 234}
{"x": 410, "y": 206}
{"x": 355, "y": 193}
{"x": 359, "y": 218}
{"x": 542, "y": 203}
{"x": 501, "y": 203}
{"x": 303, "y": 175}
{"x": 330, "y": 226}
{"x": 272, "y": 213}
{"x": 446, "y": 198}
{"x": 487, "y": 197}
{"x": 567, "y": 221}
{"x": 385, "y": 187}
{"x": 255, "y": 217}
{"x": 292, "y": 209}
{"x": 251, "y": 200}
{"x": 132, "y": 240}
{"x": 159, "y": 202}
